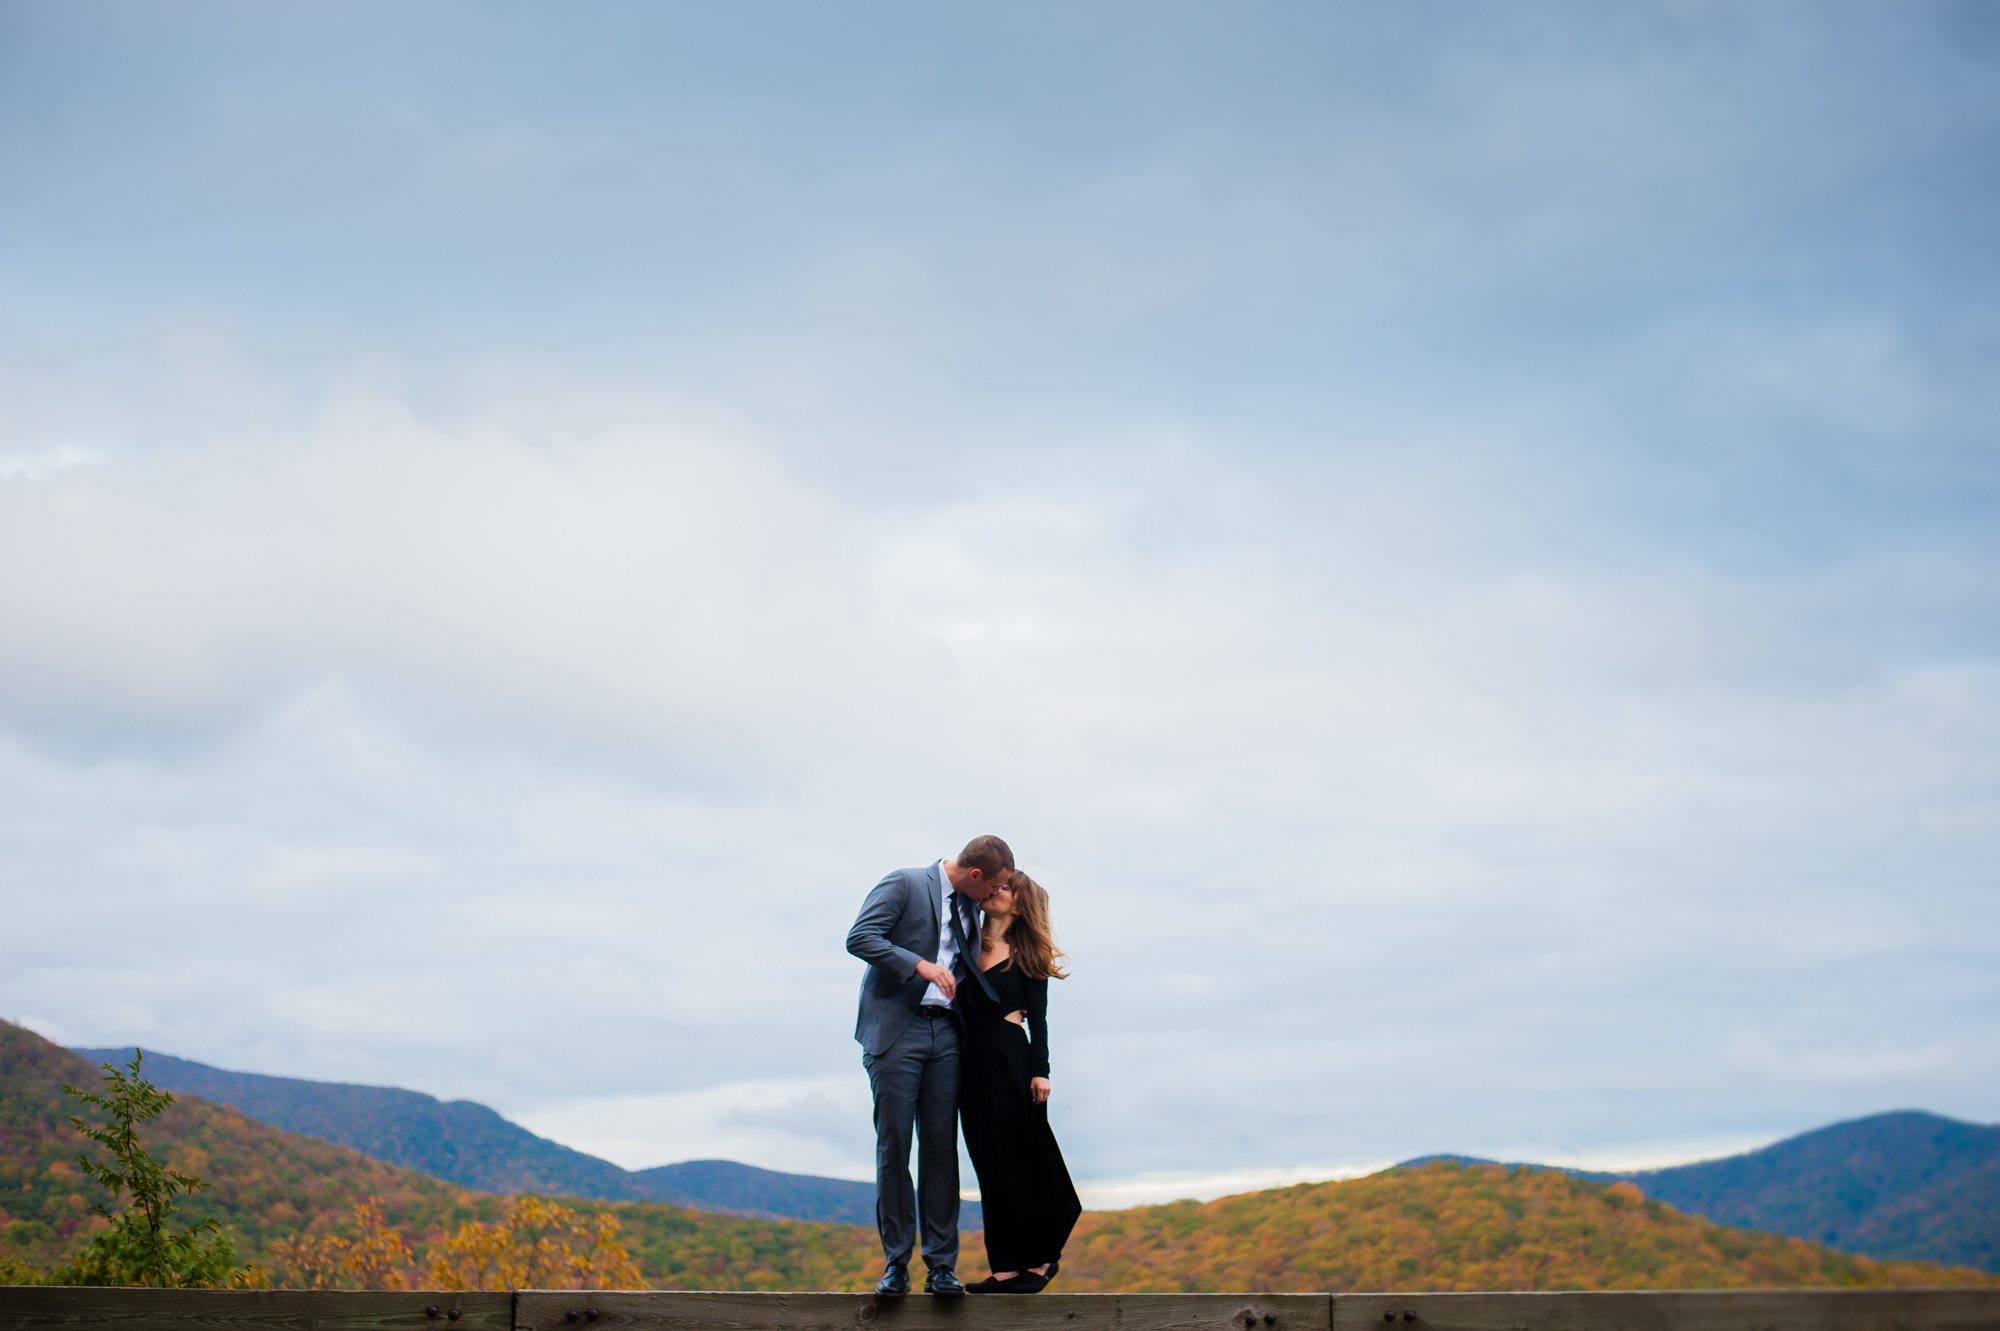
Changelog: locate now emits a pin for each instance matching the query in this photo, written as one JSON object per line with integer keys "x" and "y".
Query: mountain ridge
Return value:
{"x": 460, "y": 1141}
{"x": 1902, "y": 1185}
{"x": 1448, "y": 1228}
{"x": 268, "y": 1185}
{"x": 467, "y": 1143}
{"x": 1905, "y": 1184}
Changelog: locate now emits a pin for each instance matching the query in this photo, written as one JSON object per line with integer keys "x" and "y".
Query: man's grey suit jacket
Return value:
{"x": 899, "y": 926}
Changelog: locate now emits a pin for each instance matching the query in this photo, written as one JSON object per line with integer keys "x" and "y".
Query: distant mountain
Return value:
{"x": 1445, "y": 1227}
{"x": 469, "y": 1144}
{"x": 269, "y": 1185}
{"x": 724, "y": 1185}
{"x": 459, "y": 1141}
{"x": 1448, "y": 1226}
{"x": 1905, "y": 1185}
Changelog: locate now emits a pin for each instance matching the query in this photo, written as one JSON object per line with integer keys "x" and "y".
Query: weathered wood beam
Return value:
{"x": 1975, "y": 1309}
{"x": 540, "y": 1310}
{"x": 38, "y": 1308}
{"x": 1905, "y": 1309}
{"x": 33, "y": 1308}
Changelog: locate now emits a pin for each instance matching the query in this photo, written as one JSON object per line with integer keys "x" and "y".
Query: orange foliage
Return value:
{"x": 378, "y": 1259}
{"x": 536, "y": 1244}
{"x": 1448, "y": 1227}
{"x": 310, "y": 1261}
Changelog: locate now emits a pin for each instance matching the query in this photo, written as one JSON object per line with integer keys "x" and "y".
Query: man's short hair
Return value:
{"x": 989, "y": 855}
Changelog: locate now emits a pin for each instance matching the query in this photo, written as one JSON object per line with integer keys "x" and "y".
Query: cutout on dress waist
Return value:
{"x": 1019, "y": 1016}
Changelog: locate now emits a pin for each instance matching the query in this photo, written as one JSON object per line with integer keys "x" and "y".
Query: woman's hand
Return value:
{"x": 1039, "y": 1088}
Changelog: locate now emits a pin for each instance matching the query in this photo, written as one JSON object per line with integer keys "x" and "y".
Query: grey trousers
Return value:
{"x": 916, "y": 1085}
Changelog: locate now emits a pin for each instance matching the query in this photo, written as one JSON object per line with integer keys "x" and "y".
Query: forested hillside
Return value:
{"x": 1444, "y": 1226}
{"x": 1901, "y": 1185}
{"x": 725, "y": 1185}
{"x": 1895, "y": 1186}
{"x": 458, "y": 1141}
{"x": 469, "y": 1144}
{"x": 1452, "y": 1227}
{"x": 270, "y": 1185}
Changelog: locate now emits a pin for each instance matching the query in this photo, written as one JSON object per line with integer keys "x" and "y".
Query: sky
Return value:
{"x": 1461, "y": 544}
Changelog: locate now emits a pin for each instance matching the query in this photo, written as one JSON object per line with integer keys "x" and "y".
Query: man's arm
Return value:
{"x": 869, "y": 938}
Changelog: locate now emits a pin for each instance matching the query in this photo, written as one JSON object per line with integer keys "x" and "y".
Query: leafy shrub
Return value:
{"x": 140, "y": 1245}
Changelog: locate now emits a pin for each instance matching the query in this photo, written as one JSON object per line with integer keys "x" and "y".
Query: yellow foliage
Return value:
{"x": 379, "y": 1259}
{"x": 1449, "y": 1227}
{"x": 311, "y": 1261}
{"x": 536, "y": 1244}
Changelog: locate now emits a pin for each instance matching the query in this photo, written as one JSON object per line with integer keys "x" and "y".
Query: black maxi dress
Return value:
{"x": 1024, "y": 1187}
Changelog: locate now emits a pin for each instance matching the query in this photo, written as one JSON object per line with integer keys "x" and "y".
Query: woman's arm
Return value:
{"x": 1038, "y": 1025}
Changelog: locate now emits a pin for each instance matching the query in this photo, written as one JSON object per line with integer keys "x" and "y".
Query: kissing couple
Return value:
{"x": 954, "y": 1023}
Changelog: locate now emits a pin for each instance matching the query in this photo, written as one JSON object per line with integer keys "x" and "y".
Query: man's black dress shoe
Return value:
{"x": 941, "y": 1280}
{"x": 895, "y": 1281}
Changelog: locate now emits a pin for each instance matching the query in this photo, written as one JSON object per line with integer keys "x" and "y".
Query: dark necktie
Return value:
{"x": 971, "y": 958}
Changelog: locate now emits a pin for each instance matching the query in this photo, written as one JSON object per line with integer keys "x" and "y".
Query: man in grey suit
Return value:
{"x": 915, "y": 931}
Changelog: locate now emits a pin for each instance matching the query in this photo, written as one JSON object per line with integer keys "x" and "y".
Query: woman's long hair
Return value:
{"x": 1029, "y": 938}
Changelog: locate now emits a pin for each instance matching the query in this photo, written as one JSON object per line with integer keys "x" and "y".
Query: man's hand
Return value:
{"x": 1039, "y": 1088}
{"x": 938, "y": 976}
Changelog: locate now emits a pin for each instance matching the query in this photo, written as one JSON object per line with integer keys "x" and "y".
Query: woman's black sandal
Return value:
{"x": 1025, "y": 1283}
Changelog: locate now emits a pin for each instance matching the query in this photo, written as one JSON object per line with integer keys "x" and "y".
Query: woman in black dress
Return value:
{"x": 1024, "y": 1187}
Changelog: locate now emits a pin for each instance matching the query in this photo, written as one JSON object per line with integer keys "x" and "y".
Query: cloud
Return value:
{"x": 809, "y": 1126}
{"x": 1460, "y": 550}
{"x": 34, "y": 466}
{"x": 514, "y": 754}
{"x": 1748, "y": 1053}
{"x": 1153, "y": 1188}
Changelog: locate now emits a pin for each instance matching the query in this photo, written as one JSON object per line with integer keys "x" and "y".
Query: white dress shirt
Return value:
{"x": 947, "y": 956}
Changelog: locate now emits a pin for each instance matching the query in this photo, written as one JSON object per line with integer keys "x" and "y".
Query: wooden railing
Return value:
{"x": 29, "y": 1308}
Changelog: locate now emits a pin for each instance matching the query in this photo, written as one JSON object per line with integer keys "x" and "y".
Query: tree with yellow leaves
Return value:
{"x": 536, "y": 1244}
{"x": 378, "y": 1259}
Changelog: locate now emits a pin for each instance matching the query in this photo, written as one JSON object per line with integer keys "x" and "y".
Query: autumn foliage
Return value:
{"x": 1451, "y": 1227}
{"x": 271, "y": 1190}
{"x": 313, "y": 1214}
{"x": 535, "y": 1244}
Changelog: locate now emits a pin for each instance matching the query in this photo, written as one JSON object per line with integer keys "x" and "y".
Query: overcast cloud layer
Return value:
{"x": 1462, "y": 544}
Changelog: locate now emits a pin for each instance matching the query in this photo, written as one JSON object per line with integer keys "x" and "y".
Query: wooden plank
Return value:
{"x": 1957, "y": 1309}
{"x": 37, "y": 1308}
{"x": 1970, "y": 1309}
{"x": 28, "y": 1308}
{"x": 550, "y": 1310}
